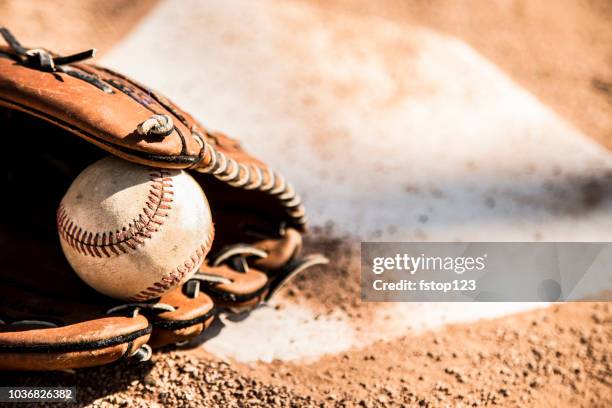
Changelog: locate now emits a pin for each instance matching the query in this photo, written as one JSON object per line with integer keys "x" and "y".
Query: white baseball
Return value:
{"x": 134, "y": 232}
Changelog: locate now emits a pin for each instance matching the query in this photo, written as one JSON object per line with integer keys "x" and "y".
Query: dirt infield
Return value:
{"x": 557, "y": 356}
{"x": 548, "y": 358}
{"x": 556, "y": 55}
{"x": 72, "y": 25}
{"x": 558, "y": 51}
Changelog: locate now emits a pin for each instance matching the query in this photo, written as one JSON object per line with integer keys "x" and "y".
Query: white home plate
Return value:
{"x": 391, "y": 132}
{"x": 291, "y": 333}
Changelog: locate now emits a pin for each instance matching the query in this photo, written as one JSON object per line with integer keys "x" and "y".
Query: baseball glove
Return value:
{"x": 57, "y": 116}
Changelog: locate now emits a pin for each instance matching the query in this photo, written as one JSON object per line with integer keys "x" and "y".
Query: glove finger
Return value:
{"x": 280, "y": 251}
{"x": 26, "y": 346}
{"x": 231, "y": 289}
{"x": 192, "y": 311}
{"x": 236, "y": 285}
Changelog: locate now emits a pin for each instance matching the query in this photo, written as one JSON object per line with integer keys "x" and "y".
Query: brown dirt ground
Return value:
{"x": 560, "y": 356}
{"x": 558, "y": 50}
{"x": 550, "y": 358}
{"x": 554, "y": 357}
{"x": 68, "y": 26}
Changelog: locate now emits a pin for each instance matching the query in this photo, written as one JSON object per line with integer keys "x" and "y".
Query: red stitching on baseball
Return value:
{"x": 175, "y": 276}
{"x": 110, "y": 243}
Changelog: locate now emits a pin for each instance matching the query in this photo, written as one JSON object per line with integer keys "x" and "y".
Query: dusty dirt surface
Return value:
{"x": 549, "y": 358}
{"x": 68, "y": 26}
{"x": 558, "y": 356}
{"x": 559, "y": 51}
{"x": 553, "y": 357}
{"x": 342, "y": 281}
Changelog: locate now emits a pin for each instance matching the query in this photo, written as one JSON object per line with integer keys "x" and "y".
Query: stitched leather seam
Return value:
{"x": 251, "y": 177}
{"x": 174, "y": 277}
{"x": 130, "y": 237}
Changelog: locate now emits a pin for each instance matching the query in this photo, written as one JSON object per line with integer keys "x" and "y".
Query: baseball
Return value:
{"x": 133, "y": 232}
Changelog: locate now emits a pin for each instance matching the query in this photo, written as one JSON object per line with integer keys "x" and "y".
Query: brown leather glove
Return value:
{"x": 59, "y": 115}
